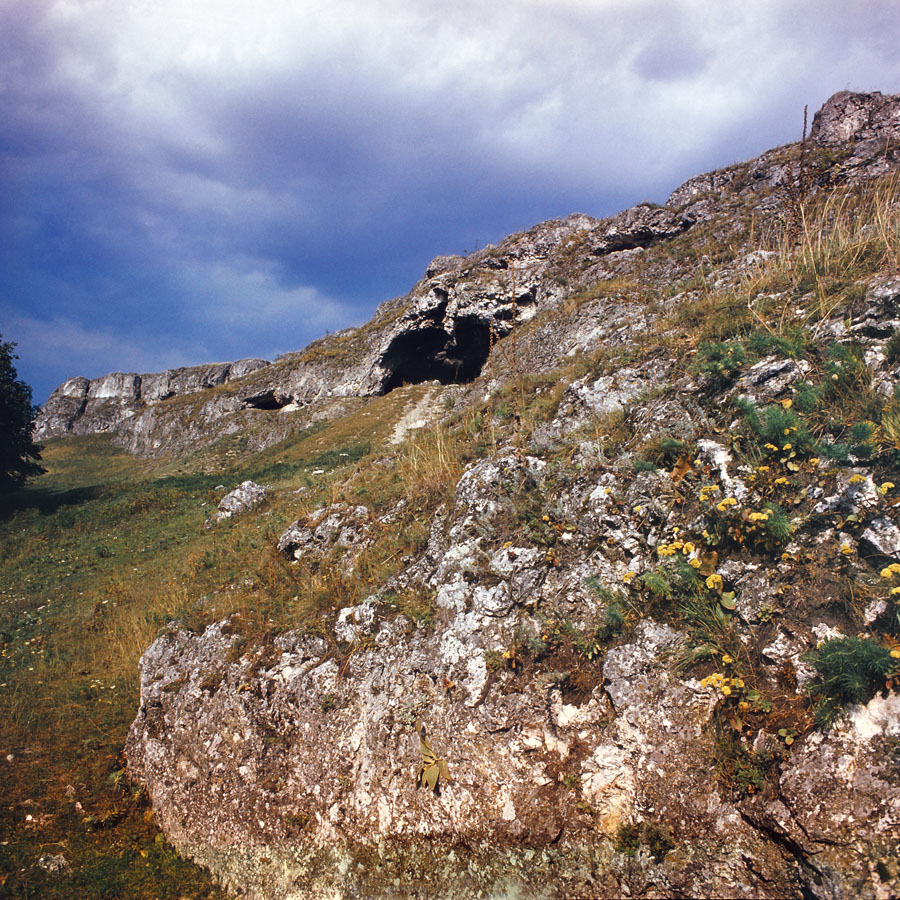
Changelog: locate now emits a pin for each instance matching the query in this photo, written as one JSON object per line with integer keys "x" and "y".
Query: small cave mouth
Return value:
{"x": 265, "y": 400}
{"x": 432, "y": 354}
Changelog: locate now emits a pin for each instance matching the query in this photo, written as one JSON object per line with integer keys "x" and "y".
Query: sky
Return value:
{"x": 189, "y": 181}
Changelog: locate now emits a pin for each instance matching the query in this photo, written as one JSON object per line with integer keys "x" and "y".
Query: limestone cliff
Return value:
{"x": 448, "y": 326}
{"x": 83, "y": 406}
{"x": 626, "y": 608}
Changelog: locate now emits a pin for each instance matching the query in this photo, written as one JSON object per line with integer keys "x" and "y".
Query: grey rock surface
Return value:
{"x": 288, "y": 768}
{"x": 245, "y": 497}
{"x": 584, "y": 761}
{"x": 82, "y": 406}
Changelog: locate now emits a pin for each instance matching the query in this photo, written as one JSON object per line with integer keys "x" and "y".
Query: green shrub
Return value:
{"x": 807, "y": 397}
{"x": 721, "y": 359}
{"x": 791, "y": 344}
{"x": 850, "y": 670}
{"x": 777, "y": 426}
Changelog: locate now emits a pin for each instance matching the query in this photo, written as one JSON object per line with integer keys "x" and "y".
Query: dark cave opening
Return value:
{"x": 431, "y": 354}
{"x": 265, "y": 400}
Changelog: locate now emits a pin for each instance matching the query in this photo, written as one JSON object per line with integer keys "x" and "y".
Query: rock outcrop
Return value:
{"x": 578, "y": 634}
{"x": 82, "y": 406}
{"x": 290, "y": 769}
{"x": 244, "y": 498}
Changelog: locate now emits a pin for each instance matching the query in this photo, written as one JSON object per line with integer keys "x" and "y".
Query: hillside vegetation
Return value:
{"x": 702, "y": 497}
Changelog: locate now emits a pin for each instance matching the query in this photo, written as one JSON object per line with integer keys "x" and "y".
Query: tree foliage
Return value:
{"x": 19, "y": 454}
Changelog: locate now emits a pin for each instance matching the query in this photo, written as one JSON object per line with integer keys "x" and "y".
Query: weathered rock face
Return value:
{"x": 587, "y": 758}
{"x": 849, "y": 117}
{"x": 450, "y": 325}
{"x": 291, "y": 770}
{"x": 338, "y": 529}
{"x": 80, "y": 406}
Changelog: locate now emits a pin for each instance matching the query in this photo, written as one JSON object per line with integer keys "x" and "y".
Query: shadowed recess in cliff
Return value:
{"x": 433, "y": 354}
{"x": 265, "y": 400}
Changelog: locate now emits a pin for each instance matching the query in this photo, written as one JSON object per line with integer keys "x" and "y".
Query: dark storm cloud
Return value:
{"x": 185, "y": 182}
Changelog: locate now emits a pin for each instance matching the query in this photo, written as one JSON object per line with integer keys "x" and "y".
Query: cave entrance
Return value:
{"x": 265, "y": 400}
{"x": 431, "y": 354}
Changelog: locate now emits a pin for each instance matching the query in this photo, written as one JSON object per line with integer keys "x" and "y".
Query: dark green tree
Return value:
{"x": 19, "y": 454}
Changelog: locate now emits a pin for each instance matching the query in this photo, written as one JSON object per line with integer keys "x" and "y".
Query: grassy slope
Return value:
{"x": 104, "y": 550}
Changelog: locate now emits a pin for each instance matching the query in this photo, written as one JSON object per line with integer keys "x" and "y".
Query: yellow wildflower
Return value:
{"x": 727, "y": 658}
{"x": 726, "y": 690}
{"x": 895, "y": 591}
{"x": 787, "y": 404}
{"x": 846, "y": 549}
{"x": 688, "y": 548}
{"x": 781, "y": 480}
{"x": 770, "y": 446}
{"x": 886, "y": 572}
{"x": 695, "y": 563}
{"x": 885, "y": 487}
{"x": 856, "y": 478}
{"x": 787, "y": 446}
{"x": 763, "y": 468}
{"x": 629, "y": 576}
{"x": 895, "y": 653}
{"x": 714, "y": 582}
{"x": 814, "y": 461}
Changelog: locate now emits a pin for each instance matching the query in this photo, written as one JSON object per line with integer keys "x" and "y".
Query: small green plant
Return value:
{"x": 614, "y": 615}
{"x": 777, "y": 428}
{"x": 721, "y": 359}
{"x": 739, "y": 767}
{"x": 631, "y": 836}
{"x": 850, "y": 670}
{"x": 791, "y": 343}
{"x": 661, "y": 452}
{"x": 807, "y": 397}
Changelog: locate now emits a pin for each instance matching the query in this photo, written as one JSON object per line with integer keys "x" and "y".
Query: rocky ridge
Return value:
{"x": 621, "y": 634}
{"x": 83, "y": 406}
{"x": 451, "y": 326}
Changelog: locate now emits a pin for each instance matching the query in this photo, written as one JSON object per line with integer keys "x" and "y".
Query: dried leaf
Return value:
{"x": 708, "y": 562}
{"x": 682, "y": 467}
{"x": 424, "y": 745}
{"x": 431, "y": 775}
{"x": 727, "y": 600}
{"x": 444, "y": 769}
